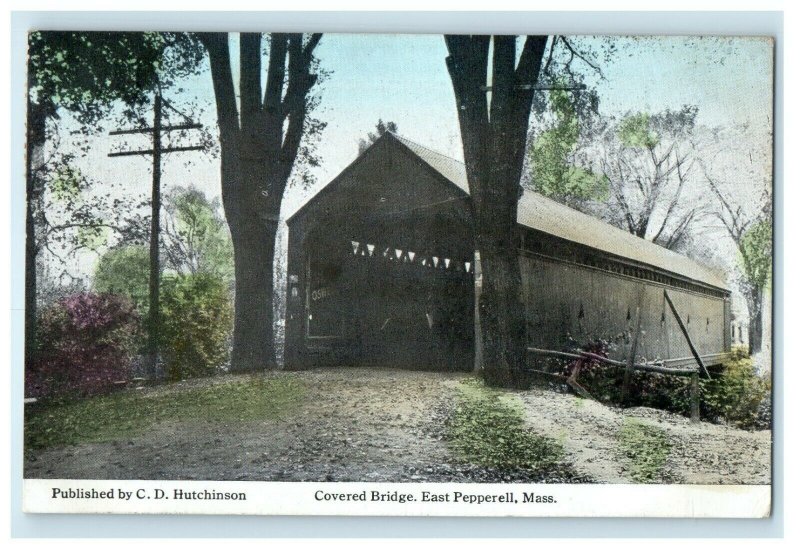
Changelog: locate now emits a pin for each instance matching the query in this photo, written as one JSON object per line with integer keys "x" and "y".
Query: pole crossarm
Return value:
{"x": 163, "y": 151}
{"x": 163, "y": 129}
{"x": 541, "y": 88}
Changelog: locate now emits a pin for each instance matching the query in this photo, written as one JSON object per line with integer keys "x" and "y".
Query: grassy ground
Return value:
{"x": 487, "y": 428}
{"x": 646, "y": 446}
{"x": 121, "y": 415}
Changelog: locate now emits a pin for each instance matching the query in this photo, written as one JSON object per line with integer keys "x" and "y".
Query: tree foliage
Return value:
{"x": 78, "y": 212}
{"x": 195, "y": 241}
{"x": 125, "y": 270}
{"x": 86, "y": 72}
{"x": 380, "y": 128}
{"x": 756, "y": 252}
{"x": 741, "y": 184}
{"x": 196, "y": 237}
{"x": 647, "y": 160}
{"x": 635, "y": 131}
{"x": 555, "y": 169}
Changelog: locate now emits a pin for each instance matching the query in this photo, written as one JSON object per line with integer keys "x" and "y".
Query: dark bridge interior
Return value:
{"x": 393, "y": 289}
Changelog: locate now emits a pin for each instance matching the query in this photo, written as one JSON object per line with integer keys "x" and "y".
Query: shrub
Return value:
{"x": 86, "y": 343}
{"x": 599, "y": 347}
{"x": 665, "y": 392}
{"x": 197, "y": 316}
{"x": 736, "y": 395}
{"x": 125, "y": 270}
{"x": 648, "y": 389}
{"x": 605, "y": 382}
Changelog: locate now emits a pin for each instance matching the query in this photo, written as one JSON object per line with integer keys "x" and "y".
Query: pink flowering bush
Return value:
{"x": 85, "y": 343}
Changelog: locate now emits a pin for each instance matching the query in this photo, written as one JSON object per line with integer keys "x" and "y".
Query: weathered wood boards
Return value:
{"x": 582, "y": 280}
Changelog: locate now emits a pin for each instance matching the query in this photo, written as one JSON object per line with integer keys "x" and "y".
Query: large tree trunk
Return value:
{"x": 501, "y": 305}
{"x": 258, "y": 153}
{"x": 755, "y": 310}
{"x": 36, "y": 119}
{"x": 253, "y": 337}
{"x": 502, "y": 315}
{"x": 494, "y": 137}
{"x": 253, "y": 222}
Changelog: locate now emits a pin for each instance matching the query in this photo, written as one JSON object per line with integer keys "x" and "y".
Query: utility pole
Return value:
{"x": 157, "y": 130}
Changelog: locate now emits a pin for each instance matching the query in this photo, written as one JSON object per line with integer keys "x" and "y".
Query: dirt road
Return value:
{"x": 701, "y": 453}
{"x": 387, "y": 425}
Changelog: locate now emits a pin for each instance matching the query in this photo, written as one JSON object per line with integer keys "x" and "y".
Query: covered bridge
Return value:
{"x": 381, "y": 272}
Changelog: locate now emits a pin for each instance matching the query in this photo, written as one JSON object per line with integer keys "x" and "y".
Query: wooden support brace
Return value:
{"x": 685, "y": 332}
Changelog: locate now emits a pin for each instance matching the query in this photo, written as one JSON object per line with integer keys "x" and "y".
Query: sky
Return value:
{"x": 403, "y": 78}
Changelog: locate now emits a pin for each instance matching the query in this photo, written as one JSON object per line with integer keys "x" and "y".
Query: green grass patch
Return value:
{"x": 646, "y": 446}
{"x": 129, "y": 413}
{"x": 488, "y": 429}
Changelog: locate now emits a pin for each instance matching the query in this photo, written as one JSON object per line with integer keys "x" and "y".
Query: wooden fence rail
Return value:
{"x": 652, "y": 367}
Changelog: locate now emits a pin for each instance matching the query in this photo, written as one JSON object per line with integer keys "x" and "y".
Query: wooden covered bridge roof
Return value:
{"x": 550, "y": 217}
